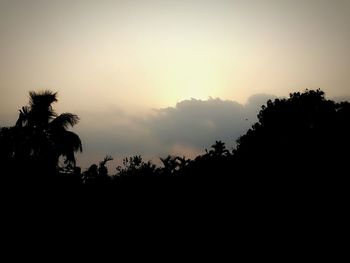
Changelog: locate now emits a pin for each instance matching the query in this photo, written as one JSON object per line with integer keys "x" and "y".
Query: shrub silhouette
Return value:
{"x": 134, "y": 166}
{"x": 97, "y": 173}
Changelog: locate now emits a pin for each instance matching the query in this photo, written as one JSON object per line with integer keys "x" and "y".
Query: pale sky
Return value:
{"x": 129, "y": 57}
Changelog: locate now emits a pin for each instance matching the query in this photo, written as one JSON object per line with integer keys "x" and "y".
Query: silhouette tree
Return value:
{"x": 172, "y": 164}
{"x": 305, "y": 137}
{"x": 304, "y": 134}
{"x": 41, "y": 136}
{"x": 134, "y": 166}
{"x": 219, "y": 149}
{"x": 102, "y": 169}
{"x": 90, "y": 175}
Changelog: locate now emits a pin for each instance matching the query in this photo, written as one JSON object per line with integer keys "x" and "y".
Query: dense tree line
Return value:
{"x": 303, "y": 137}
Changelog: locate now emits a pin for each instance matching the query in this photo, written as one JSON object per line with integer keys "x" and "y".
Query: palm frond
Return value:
{"x": 72, "y": 140}
{"x": 23, "y": 116}
{"x": 42, "y": 98}
{"x": 40, "y": 104}
{"x": 64, "y": 121}
{"x": 67, "y": 144}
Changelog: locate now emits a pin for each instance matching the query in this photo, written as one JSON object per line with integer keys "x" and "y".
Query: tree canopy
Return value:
{"x": 39, "y": 138}
{"x": 303, "y": 132}
{"x": 305, "y": 135}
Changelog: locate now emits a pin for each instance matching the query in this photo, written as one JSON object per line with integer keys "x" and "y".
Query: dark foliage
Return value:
{"x": 300, "y": 140}
{"x": 303, "y": 135}
{"x": 31, "y": 149}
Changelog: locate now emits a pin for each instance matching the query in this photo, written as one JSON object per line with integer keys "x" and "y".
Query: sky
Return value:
{"x": 154, "y": 77}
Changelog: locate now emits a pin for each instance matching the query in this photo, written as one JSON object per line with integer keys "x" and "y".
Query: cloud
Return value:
{"x": 341, "y": 99}
{"x": 198, "y": 123}
{"x": 186, "y": 129}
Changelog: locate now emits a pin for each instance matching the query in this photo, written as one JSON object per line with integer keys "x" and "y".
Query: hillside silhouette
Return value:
{"x": 300, "y": 140}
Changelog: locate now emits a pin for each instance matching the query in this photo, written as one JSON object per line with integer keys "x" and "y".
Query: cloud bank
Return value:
{"x": 186, "y": 129}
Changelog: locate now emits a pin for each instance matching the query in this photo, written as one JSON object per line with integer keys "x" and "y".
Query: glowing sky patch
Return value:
{"x": 102, "y": 55}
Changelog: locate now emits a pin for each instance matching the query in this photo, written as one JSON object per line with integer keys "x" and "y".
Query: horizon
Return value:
{"x": 148, "y": 75}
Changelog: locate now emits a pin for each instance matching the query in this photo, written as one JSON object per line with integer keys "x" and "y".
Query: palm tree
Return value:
{"x": 47, "y": 134}
{"x": 219, "y": 149}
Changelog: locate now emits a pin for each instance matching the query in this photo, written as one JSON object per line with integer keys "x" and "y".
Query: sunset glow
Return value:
{"x": 131, "y": 57}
